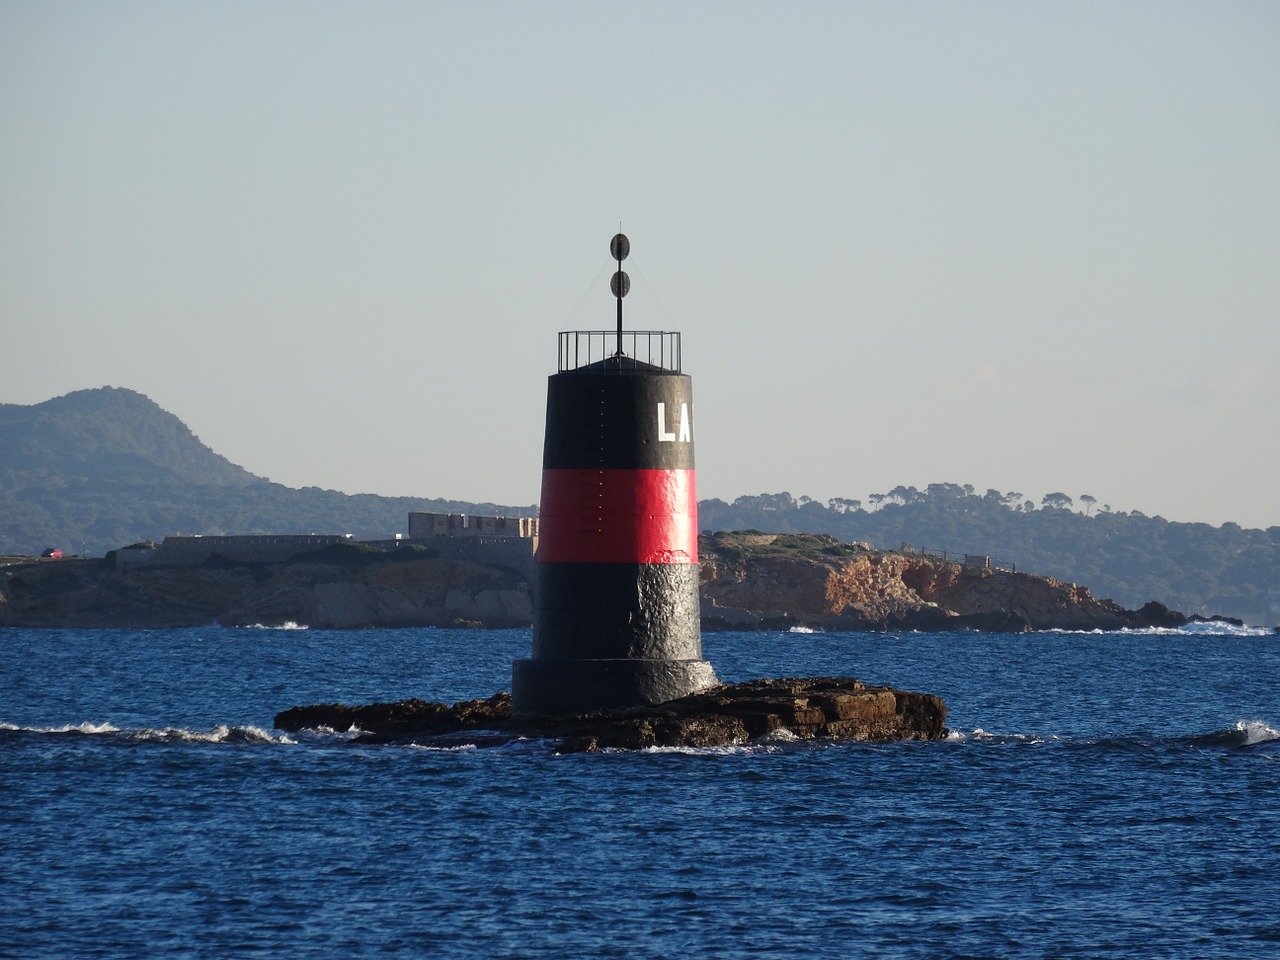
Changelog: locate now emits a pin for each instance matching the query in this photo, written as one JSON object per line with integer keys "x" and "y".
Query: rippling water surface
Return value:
{"x": 1100, "y": 796}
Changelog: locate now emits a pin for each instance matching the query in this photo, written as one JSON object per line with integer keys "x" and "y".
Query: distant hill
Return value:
{"x": 109, "y": 435}
{"x": 99, "y": 469}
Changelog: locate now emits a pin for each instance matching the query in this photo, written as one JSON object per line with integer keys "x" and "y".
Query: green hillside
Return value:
{"x": 108, "y": 435}
{"x": 98, "y": 469}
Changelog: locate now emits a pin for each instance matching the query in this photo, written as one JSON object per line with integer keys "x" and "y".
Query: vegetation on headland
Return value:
{"x": 98, "y": 469}
{"x": 1127, "y": 556}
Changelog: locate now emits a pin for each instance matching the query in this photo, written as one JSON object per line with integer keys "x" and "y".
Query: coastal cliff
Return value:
{"x": 753, "y": 580}
{"x": 749, "y": 581}
{"x": 338, "y": 588}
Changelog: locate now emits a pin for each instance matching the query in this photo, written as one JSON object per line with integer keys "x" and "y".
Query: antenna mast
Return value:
{"x": 619, "y": 247}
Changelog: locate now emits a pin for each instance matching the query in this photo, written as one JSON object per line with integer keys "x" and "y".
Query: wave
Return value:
{"x": 287, "y": 625}
{"x": 223, "y": 733}
{"x": 450, "y": 748}
{"x": 1220, "y": 629}
{"x": 730, "y": 750}
{"x": 1206, "y": 629}
{"x": 978, "y": 735}
{"x": 1245, "y": 733}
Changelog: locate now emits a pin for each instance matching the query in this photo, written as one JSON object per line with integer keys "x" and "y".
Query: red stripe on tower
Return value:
{"x": 618, "y": 516}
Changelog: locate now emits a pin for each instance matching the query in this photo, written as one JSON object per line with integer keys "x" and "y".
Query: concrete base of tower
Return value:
{"x": 568, "y": 687}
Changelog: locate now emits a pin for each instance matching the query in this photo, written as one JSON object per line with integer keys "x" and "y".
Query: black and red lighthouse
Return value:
{"x": 616, "y": 620}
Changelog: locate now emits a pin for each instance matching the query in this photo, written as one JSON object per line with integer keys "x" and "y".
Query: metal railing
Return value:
{"x": 635, "y": 349}
{"x": 971, "y": 560}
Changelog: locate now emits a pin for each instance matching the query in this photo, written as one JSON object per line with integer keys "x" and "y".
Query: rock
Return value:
{"x": 818, "y": 708}
{"x": 1153, "y": 613}
{"x": 816, "y": 581}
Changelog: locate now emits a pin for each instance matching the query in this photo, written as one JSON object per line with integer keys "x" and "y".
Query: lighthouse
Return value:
{"x": 616, "y": 620}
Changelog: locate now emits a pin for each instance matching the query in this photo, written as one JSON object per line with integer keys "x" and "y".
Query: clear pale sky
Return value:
{"x": 1029, "y": 246}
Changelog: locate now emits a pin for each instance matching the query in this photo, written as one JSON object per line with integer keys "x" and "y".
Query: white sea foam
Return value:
{"x": 223, "y": 733}
{"x": 781, "y": 735}
{"x": 731, "y": 750}
{"x": 1255, "y": 731}
{"x": 351, "y": 731}
{"x": 86, "y": 727}
{"x": 219, "y": 734}
{"x": 1225, "y": 630}
{"x": 453, "y": 748}
{"x": 978, "y": 735}
{"x": 287, "y": 625}
{"x": 1218, "y": 629}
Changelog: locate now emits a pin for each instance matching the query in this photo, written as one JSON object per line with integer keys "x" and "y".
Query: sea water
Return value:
{"x": 1100, "y": 795}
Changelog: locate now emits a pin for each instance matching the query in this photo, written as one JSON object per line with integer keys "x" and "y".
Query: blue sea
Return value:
{"x": 1100, "y": 795}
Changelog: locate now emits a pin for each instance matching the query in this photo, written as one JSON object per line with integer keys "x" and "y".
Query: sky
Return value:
{"x": 1025, "y": 246}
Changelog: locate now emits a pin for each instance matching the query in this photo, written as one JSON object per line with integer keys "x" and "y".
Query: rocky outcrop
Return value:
{"x": 772, "y": 581}
{"x": 821, "y": 708}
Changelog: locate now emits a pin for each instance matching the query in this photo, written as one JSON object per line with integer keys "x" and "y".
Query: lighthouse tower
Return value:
{"x": 616, "y": 621}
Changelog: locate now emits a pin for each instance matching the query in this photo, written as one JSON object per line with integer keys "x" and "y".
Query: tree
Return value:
{"x": 1088, "y": 502}
{"x": 843, "y": 505}
{"x": 777, "y": 501}
{"x": 767, "y": 502}
{"x": 1056, "y": 501}
{"x": 905, "y": 495}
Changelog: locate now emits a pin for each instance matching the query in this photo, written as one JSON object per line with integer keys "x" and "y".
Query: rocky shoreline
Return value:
{"x": 753, "y": 580}
{"x": 831, "y": 709}
{"x": 748, "y": 581}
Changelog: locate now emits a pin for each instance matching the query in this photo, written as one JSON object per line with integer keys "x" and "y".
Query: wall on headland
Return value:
{"x": 425, "y": 525}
